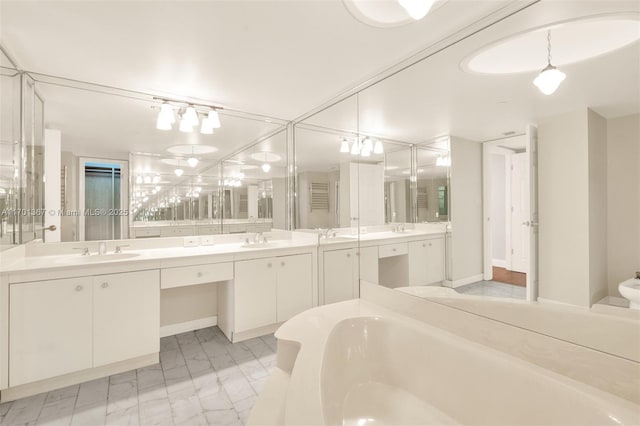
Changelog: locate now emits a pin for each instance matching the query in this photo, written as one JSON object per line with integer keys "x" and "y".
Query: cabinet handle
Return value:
{"x": 282, "y": 263}
{"x": 348, "y": 254}
{"x": 199, "y": 274}
{"x": 78, "y": 288}
{"x": 424, "y": 245}
{"x": 393, "y": 249}
{"x": 105, "y": 285}
{"x": 269, "y": 265}
{"x": 429, "y": 244}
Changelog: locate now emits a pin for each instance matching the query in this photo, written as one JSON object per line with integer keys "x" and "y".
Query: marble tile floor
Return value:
{"x": 201, "y": 379}
{"x": 493, "y": 289}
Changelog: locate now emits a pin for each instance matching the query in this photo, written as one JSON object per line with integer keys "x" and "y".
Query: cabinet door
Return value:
{"x": 418, "y": 260}
{"x": 49, "y": 329}
{"x": 294, "y": 285}
{"x": 254, "y": 294}
{"x": 126, "y": 316}
{"x": 339, "y": 275}
{"x": 435, "y": 260}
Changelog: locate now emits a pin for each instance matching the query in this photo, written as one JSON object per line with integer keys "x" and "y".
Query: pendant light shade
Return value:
{"x": 549, "y": 79}
{"x": 206, "y": 128}
{"x": 192, "y": 161}
{"x": 214, "y": 119}
{"x": 344, "y": 147}
{"x": 355, "y": 148}
{"x": 378, "y": 148}
{"x": 191, "y": 115}
{"x": 185, "y": 125}
{"x": 178, "y": 172}
{"x": 165, "y": 117}
{"x": 266, "y": 167}
{"x": 417, "y": 9}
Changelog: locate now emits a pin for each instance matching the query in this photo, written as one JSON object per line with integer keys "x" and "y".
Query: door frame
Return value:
{"x": 124, "y": 193}
{"x": 491, "y": 147}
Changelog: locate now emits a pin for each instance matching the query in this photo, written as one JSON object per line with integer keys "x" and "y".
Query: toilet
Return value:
{"x": 630, "y": 289}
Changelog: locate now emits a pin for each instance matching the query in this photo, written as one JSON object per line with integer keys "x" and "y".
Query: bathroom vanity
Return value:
{"x": 67, "y": 317}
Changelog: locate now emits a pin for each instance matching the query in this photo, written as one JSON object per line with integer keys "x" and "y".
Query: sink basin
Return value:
{"x": 259, "y": 245}
{"x": 630, "y": 289}
{"x": 97, "y": 258}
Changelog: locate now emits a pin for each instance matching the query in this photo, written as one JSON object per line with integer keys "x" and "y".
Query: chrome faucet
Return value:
{"x": 85, "y": 250}
{"x": 329, "y": 231}
{"x": 398, "y": 228}
{"x": 119, "y": 248}
{"x": 258, "y": 238}
{"x": 102, "y": 247}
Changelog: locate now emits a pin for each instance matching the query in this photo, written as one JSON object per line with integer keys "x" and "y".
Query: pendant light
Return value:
{"x": 344, "y": 147}
{"x": 378, "y": 148}
{"x": 165, "y": 117}
{"x": 417, "y": 9}
{"x": 192, "y": 161}
{"x": 191, "y": 115}
{"x": 178, "y": 172}
{"x": 185, "y": 124}
{"x": 214, "y": 119}
{"x": 355, "y": 148}
{"x": 550, "y": 77}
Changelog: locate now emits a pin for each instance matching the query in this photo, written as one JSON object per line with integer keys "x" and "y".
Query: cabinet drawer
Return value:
{"x": 389, "y": 250}
{"x": 146, "y": 232}
{"x": 199, "y": 274}
{"x": 208, "y": 230}
{"x": 183, "y": 231}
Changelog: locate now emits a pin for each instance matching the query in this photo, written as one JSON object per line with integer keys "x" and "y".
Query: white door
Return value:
{"x": 434, "y": 261}
{"x": 255, "y": 284}
{"x": 532, "y": 219}
{"x": 295, "y": 285}
{"x": 126, "y": 316}
{"x": 339, "y": 275}
{"x": 49, "y": 329}
{"x": 519, "y": 213}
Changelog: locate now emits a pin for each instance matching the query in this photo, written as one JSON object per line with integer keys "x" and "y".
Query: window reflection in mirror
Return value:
{"x": 433, "y": 182}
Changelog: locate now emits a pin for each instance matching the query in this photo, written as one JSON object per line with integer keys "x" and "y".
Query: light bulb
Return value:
{"x": 147, "y": 179}
{"x": 366, "y": 152}
{"x": 240, "y": 175}
{"x": 178, "y": 172}
{"x": 192, "y": 161}
{"x": 549, "y": 79}
{"x": 214, "y": 119}
{"x": 156, "y": 179}
{"x": 165, "y": 117}
{"x": 185, "y": 125}
{"x": 266, "y": 167}
{"x": 191, "y": 115}
{"x": 344, "y": 147}
{"x": 378, "y": 148}
{"x": 355, "y": 148}
{"x": 138, "y": 179}
{"x": 206, "y": 128}
{"x": 417, "y": 9}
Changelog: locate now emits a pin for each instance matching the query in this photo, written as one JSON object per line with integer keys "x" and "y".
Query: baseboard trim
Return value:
{"x": 59, "y": 382}
{"x": 183, "y": 327}
{"x": 499, "y": 263}
{"x": 463, "y": 281}
{"x": 256, "y": 332}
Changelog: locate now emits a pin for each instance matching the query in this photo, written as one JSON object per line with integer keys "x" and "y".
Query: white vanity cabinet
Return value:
{"x": 50, "y": 330}
{"x": 426, "y": 261}
{"x": 126, "y": 320}
{"x": 271, "y": 290}
{"x": 66, "y": 325}
{"x": 340, "y": 275}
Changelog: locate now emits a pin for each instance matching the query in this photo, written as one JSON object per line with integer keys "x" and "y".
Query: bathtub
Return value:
{"x": 380, "y": 371}
{"x": 355, "y": 363}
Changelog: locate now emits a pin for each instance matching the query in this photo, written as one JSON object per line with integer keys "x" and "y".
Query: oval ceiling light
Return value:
{"x": 417, "y": 9}
{"x": 389, "y": 14}
{"x": 573, "y": 41}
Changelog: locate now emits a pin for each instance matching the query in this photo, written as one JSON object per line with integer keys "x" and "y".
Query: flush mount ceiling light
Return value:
{"x": 550, "y": 77}
{"x": 417, "y": 9}
{"x": 388, "y": 14}
{"x": 574, "y": 41}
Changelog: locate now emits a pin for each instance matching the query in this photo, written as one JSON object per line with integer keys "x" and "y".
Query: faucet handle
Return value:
{"x": 85, "y": 250}
{"x": 119, "y": 248}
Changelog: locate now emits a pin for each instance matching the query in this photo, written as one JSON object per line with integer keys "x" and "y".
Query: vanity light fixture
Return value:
{"x": 191, "y": 115}
{"x": 188, "y": 116}
{"x": 147, "y": 179}
{"x": 185, "y": 124}
{"x": 344, "y": 146}
{"x": 165, "y": 117}
{"x": 214, "y": 118}
{"x": 550, "y": 77}
{"x": 139, "y": 180}
{"x": 355, "y": 148}
{"x": 417, "y": 9}
{"x": 443, "y": 161}
{"x": 156, "y": 179}
{"x": 378, "y": 148}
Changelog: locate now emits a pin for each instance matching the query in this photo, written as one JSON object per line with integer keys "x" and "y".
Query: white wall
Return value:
{"x": 498, "y": 219}
{"x": 573, "y": 207}
{"x": 52, "y": 165}
{"x": 466, "y": 210}
{"x": 623, "y": 199}
{"x": 279, "y": 202}
{"x": 597, "y": 207}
